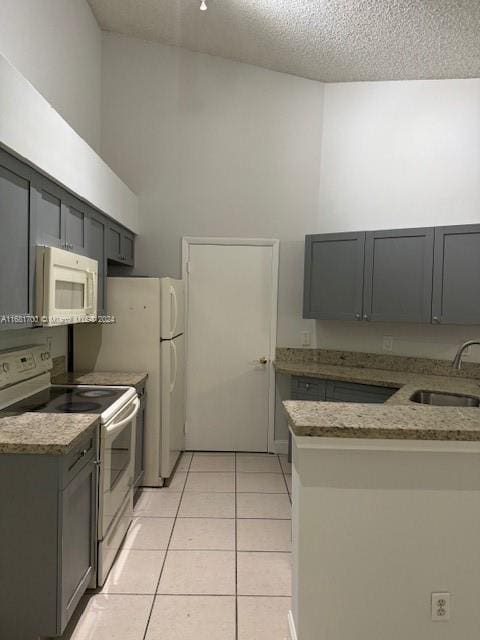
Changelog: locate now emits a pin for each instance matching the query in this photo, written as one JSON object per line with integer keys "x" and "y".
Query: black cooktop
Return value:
{"x": 68, "y": 400}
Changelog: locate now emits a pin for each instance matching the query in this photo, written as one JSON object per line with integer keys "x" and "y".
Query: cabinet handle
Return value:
{"x": 83, "y": 453}
{"x": 365, "y": 316}
{"x": 436, "y": 319}
{"x": 358, "y": 316}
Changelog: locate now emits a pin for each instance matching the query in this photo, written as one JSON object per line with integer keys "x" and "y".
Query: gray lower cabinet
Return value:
{"x": 398, "y": 275}
{"x": 456, "y": 279}
{"x": 333, "y": 284}
{"x": 316, "y": 390}
{"x": 338, "y": 391}
{"x": 47, "y": 538}
{"x": 15, "y": 251}
{"x": 140, "y": 433}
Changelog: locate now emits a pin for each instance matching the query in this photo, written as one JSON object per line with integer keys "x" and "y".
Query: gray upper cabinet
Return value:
{"x": 75, "y": 228}
{"x": 120, "y": 245}
{"x": 398, "y": 275}
{"x": 50, "y": 221}
{"x": 14, "y": 245}
{"x": 97, "y": 249}
{"x": 456, "y": 280}
{"x": 333, "y": 286}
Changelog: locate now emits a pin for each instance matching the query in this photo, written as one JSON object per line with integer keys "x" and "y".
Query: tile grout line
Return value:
{"x": 166, "y": 551}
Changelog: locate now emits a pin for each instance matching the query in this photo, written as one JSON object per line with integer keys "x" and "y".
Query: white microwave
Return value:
{"x": 66, "y": 286}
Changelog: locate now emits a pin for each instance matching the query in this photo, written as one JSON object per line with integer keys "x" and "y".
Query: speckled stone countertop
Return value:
{"x": 44, "y": 433}
{"x": 105, "y": 378}
{"x": 397, "y": 418}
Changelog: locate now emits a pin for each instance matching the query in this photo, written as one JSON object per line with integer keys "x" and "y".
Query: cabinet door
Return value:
{"x": 398, "y": 275}
{"x": 338, "y": 391}
{"x": 308, "y": 389}
{"x": 97, "y": 249}
{"x": 75, "y": 228}
{"x": 77, "y": 536}
{"x": 14, "y": 244}
{"x": 128, "y": 244}
{"x": 456, "y": 279}
{"x": 114, "y": 243}
{"x": 333, "y": 287}
{"x": 50, "y": 222}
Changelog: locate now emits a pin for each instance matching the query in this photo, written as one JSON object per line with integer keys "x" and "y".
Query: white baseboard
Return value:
{"x": 291, "y": 627}
{"x": 280, "y": 446}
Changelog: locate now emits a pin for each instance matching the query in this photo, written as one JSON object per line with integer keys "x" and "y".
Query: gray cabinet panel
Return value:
{"x": 456, "y": 281}
{"x": 75, "y": 229}
{"x": 78, "y": 541}
{"x": 398, "y": 275}
{"x": 308, "y": 389}
{"x": 49, "y": 219}
{"x": 14, "y": 244}
{"x": 114, "y": 243}
{"x": 334, "y": 276}
{"x": 97, "y": 249}
{"x": 338, "y": 391}
{"x": 128, "y": 248}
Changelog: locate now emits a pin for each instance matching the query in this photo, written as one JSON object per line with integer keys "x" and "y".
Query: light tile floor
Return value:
{"x": 207, "y": 558}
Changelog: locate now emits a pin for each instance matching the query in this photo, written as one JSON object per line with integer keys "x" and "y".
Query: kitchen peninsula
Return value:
{"x": 386, "y": 501}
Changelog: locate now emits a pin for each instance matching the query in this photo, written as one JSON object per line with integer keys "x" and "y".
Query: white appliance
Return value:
{"x": 66, "y": 287}
{"x": 25, "y": 387}
{"x": 147, "y": 335}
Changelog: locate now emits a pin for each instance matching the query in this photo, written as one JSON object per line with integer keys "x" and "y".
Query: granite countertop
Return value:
{"x": 104, "y": 378}
{"x": 397, "y": 418}
{"x": 44, "y": 433}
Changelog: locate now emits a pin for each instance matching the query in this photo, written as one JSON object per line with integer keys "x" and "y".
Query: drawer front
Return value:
{"x": 78, "y": 458}
{"x": 307, "y": 389}
{"x": 352, "y": 392}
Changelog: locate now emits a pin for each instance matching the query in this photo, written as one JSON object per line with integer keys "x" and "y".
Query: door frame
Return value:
{"x": 187, "y": 242}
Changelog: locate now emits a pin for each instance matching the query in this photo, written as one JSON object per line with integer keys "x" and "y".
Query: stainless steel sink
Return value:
{"x": 440, "y": 399}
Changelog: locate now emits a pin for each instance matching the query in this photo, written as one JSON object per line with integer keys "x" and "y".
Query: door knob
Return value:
{"x": 263, "y": 360}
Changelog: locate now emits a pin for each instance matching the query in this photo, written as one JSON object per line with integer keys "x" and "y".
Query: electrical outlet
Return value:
{"x": 440, "y": 607}
{"x": 387, "y": 344}
{"x": 305, "y": 338}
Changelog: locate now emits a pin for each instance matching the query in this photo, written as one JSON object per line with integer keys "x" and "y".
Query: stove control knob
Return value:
{"x": 5, "y": 367}
{"x": 45, "y": 355}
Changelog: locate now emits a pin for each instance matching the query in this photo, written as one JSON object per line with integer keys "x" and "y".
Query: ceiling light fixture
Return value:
{"x": 203, "y": 6}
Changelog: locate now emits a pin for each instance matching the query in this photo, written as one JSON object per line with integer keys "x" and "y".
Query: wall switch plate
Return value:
{"x": 305, "y": 338}
{"x": 387, "y": 344}
{"x": 440, "y": 607}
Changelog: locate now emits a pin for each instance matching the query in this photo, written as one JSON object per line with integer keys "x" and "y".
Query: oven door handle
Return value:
{"x": 118, "y": 426}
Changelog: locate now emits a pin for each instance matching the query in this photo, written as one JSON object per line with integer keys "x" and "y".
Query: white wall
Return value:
{"x": 213, "y": 147}
{"x": 399, "y": 154}
{"x": 56, "y": 45}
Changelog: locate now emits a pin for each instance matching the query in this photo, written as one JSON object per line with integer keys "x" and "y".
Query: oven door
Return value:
{"x": 117, "y": 458}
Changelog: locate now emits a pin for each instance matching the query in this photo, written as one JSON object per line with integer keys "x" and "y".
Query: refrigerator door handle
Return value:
{"x": 173, "y": 298}
{"x": 173, "y": 351}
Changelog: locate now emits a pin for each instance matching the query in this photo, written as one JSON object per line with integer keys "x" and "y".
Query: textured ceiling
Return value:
{"x": 331, "y": 40}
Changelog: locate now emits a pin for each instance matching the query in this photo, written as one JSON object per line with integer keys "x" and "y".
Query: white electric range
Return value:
{"x": 25, "y": 386}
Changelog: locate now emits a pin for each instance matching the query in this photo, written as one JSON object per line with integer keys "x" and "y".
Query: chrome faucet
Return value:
{"x": 457, "y": 361}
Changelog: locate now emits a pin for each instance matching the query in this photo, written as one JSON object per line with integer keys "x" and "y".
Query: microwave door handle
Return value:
{"x": 118, "y": 426}
{"x": 90, "y": 290}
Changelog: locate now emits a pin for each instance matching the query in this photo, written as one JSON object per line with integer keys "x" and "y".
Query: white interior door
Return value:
{"x": 230, "y": 336}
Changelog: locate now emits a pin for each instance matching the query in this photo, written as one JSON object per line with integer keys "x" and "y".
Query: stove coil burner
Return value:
{"x": 79, "y": 407}
{"x": 96, "y": 393}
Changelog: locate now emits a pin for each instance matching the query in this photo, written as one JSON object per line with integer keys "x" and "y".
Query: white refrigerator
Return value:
{"x": 147, "y": 335}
